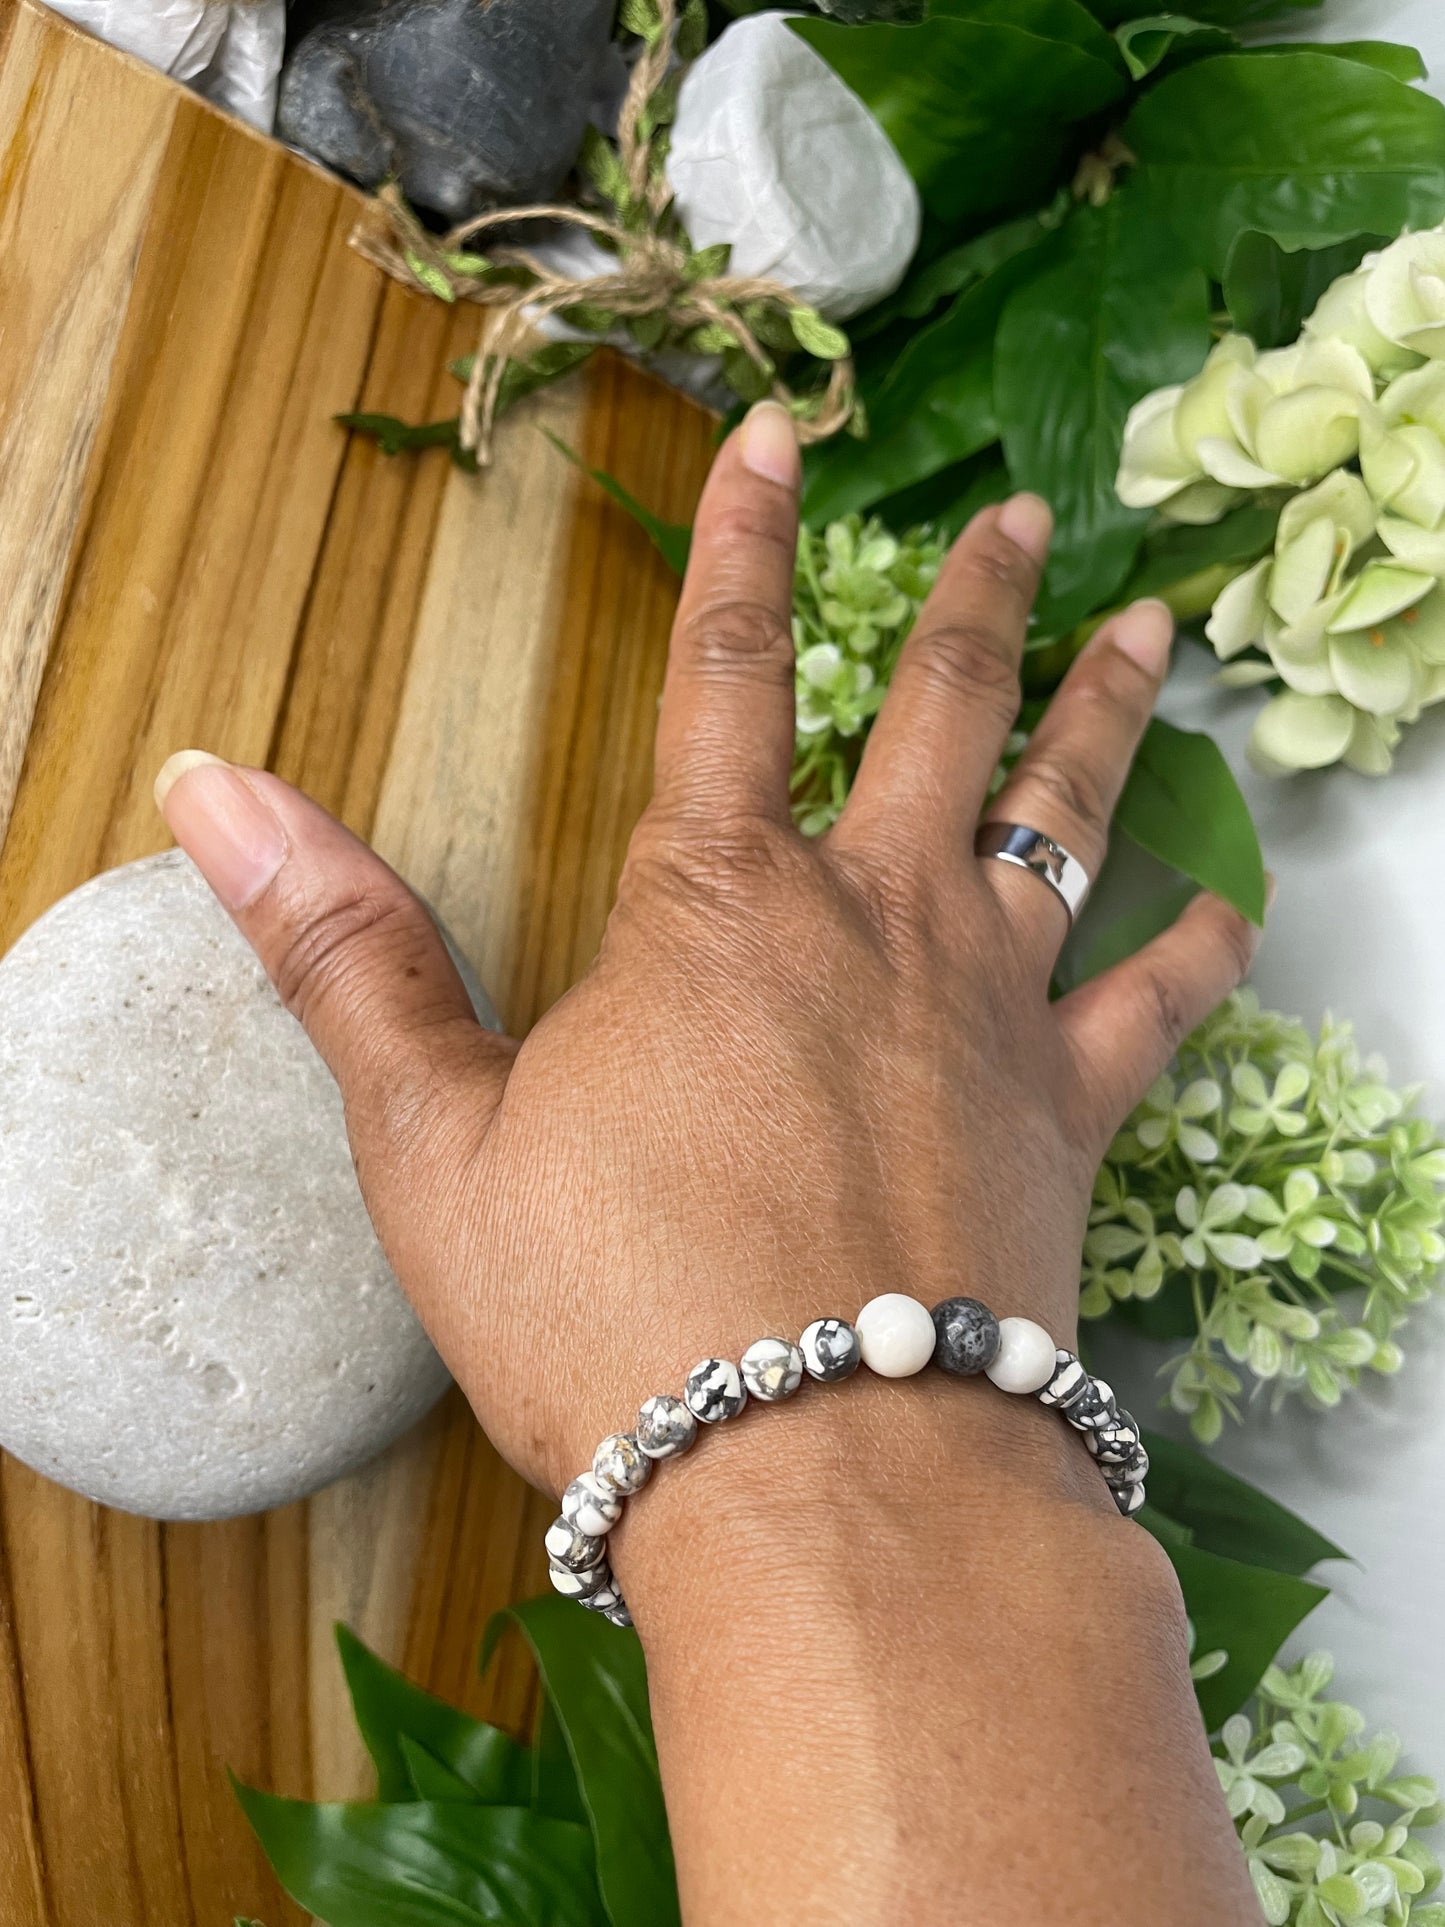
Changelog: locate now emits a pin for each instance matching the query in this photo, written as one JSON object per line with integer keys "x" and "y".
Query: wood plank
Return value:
{"x": 467, "y": 670}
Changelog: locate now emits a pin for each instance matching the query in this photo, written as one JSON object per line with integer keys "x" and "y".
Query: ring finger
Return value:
{"x": 1068, "y": 780}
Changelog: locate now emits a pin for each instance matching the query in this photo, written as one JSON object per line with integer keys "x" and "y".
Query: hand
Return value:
{"x": 798, "y": 1074}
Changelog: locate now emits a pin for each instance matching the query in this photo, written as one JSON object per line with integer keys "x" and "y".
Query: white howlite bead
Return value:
{"x": 1027, "y": 1357}
{"x": 620, "y": 1465}
{"x": 579, "y": 1585}
{"x": 665, "y": 1427}
{"x": 772, "y": 1369}
{"x": 567, "y": 1545}
{"x": 897, "y": 1335}
{"x": 586, "y": 1505}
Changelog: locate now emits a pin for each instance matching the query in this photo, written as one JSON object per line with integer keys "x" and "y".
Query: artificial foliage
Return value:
{"x": 1276, "y": 1202}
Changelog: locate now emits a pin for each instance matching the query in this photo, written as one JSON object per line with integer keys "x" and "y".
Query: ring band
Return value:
{"x": 1031, "y": 850}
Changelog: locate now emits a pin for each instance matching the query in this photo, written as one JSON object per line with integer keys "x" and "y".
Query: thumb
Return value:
{"x": 352, "y": 951}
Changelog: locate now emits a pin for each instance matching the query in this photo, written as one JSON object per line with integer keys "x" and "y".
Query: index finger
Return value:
{"x": 725, "y": 730}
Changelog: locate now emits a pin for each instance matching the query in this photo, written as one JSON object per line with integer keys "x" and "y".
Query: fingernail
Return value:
{"x": 769, "y": 445}
{"x": 220, "y": 822}
{"x": 1145, "y": 633}
{"x": 1028, "y": 522}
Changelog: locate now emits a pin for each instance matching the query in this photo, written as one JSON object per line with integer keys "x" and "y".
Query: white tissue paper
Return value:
{"x": 228, "y": 50}
{"x": 771, "y": 151}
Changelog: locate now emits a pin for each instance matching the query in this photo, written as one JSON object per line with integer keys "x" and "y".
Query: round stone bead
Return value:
{"x": 897, "y": 1335}
{"x": 1114, "y": 1443}
{"x": 1068, "y": 1384}
{"x": 965, "y": 1336}
{"x": 589, "y": 1507}
{"x": 620, "y": 1465}
{"x": 1026, "y": 1357}
{"x": 606, "y": 1599}
{"x": 714, "y": 1391}
{"x": 1093, "y": 1408}
{"x": 772, "y": 1369}
{"x": 831, "y": 1350}
{"x": 618, "y": 1614}
{"x": 665, "y": 1427}
{"x": 1128, "y": 1498}
{"x": 579, "y": 1585}
{"x": 578, "y": 1551}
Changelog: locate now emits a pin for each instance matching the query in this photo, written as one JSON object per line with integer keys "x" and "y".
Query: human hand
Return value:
{"x": 799, "y": 1074}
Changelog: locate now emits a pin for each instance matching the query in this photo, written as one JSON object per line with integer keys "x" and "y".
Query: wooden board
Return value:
{"x": 191, "y": 553}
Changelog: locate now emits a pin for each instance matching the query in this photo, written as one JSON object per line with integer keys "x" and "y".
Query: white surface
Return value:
{"x": 772, "y": 152}
{"x": 1415, "y": 23}
{"x": 1357, "y": 927}
{"x": 228, "y": 50}
{"x": 895, "y": 1335}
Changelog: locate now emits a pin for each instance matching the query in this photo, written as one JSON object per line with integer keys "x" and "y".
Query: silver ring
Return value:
{"x": 1031, "y": 850}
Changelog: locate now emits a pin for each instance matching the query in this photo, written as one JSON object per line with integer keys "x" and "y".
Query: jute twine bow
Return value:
{"x": 650, "y": 277}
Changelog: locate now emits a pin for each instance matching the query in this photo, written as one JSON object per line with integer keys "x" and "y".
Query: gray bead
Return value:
{"x": 772, "y": 1369}
{"x": 618, "y": 1614}
{"x": 665, "y": 1427}
{"x": 579, "y": 1585}
{"x": 714, "y": 1391}
{"x": 606, "y": 1599}
{"x": 1094, "y": 1407}
{"x": 567, "y": 1546}
{"x": 1128, "y": 1498}
{"x": 589, "y": 1506}
{"x": 1068, "y": 1384}
{"x": 620, "y": 1465}
{"x": 967, "y": 1336}
{"x": 831, "y": 1350}
{"x": 1131, "y": 1471}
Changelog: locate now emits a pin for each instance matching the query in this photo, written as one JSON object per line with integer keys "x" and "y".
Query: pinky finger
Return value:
{"x": 1124, "y": 1027}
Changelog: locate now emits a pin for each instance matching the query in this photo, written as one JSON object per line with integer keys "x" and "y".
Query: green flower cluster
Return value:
{"x": 1282, "y": 1202}
{"x": 1301, "y": 1759}
{"x": 856, "y": 594}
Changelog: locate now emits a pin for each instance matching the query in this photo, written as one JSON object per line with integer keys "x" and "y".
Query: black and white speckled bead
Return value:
{"x": 1131, "y": 1471}
{"x": 590, "y": 1507}
{"x": 831, "y": 1350}
{"x": 1094, "y": 1408}
{"x": 665, "y": 1426}
{"x": 1069, "y": 1383}
{"x": 1114, "y": 1443}
{"x": 606, "y": 1599}
{"x": 967, "y": 1337}
{"x": 1128, "y": 1498}
{"x": 579, "y": 1585}
{"x": 714, "y": 1391}
{"x": 620, "y": 1465}
{"x": 772, "y": 1369}
{"x": 618, "y": 1614}
{"x": 576, "y": 1550}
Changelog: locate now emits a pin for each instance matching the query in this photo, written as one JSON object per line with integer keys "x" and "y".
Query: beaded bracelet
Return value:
{"x": 894, "y": 1336}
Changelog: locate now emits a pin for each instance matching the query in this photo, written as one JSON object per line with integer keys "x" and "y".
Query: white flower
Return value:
{"x": 1405, "y": 292}
{"x": 1207, "y": 1226}
{"x": 1319, "y": 534}
{"x": 1342, "y": 315}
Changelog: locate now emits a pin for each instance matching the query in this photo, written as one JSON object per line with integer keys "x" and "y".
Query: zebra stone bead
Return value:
{"x": 620, "y": 1465}
{"x": 967, "y": 1336}
{"x": 586, "y": 1505}
{"x": 714, "y": 1391}
{"x": 665, "y": 1427}
{"x": 570, "y": 1547}
{"x": 579, "y": 1585}
{"x": 1128, "y": 1498}
{"x": 772, "y": 1369}
{"x": 1068, "y": 1384}
{"x": 831, "y": 1350}
{"x": 606, "y": 1599}
{"x": 1132, "y": 1471}
{"x": 1094, "y": 1408}
{"x": 1114, "y": 1443}
{"x": 618, "y": 1614}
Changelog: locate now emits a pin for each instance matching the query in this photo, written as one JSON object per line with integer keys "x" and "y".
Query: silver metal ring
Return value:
{"x": 1031, "y": 850}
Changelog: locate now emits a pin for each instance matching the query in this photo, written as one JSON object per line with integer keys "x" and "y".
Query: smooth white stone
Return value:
{"x": 196, "y": 1319}
{"x": 897, "y": 1335}
{"x": 1026, "y": 1357}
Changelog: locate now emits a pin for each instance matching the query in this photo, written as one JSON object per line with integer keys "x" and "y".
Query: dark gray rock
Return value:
{"x": 967, "y": 1336}
{"x": 467, "y": 103}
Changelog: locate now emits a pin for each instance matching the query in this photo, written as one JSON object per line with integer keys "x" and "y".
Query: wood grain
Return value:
{"x": 191, "y": 553}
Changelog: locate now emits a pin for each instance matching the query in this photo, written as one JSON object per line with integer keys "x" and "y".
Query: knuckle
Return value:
{"x": 1000, "y": 564}
{"x": 967, "y": 658}
{"x": 691, "y": 859}
{"x": 1165, "y": 1010}
{"x": 739, "y": 634}
{"x": 1073, "y": 788}
{"x": 743, "y": 527}
{"x": 336, "y": 945}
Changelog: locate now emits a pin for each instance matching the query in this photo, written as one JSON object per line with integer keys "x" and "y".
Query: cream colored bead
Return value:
{"x": 1026, "y": 1358}
{"x": 896, "y": 1334}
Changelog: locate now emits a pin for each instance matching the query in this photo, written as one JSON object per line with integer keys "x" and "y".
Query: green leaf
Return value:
{"x": 1065, "y": 20}
{"x": 1245, "y": 1611}
{"x": 949, "y": 499}
{"x": 1146, "y": 44}
{"x": 1228, "y": 1515}
{"x": 600, "y": 162}
{"x": 818, "y": 336}
{"x": 954, "y": 270}
{"x": 594, "y": 1675}
{"x": 935, "y": 406}
{"x": 672, "y": 540}
{"x": 1270, "y": 289}
{"x": 427, "y": 1864}
{"x": 388, "y": 1707}
{"x": 1403, "y": 63}
{"x": 1219, "y": 13}
{"x": 527, "y": 373}
{"x": 429, "y": 276}
{"x": 1298, "y": 145}
{"x": 980, "y": 110}
{"x": 430, "y": 1780}
{"x": 1113, "y": 317}
{"x": 1172, "y": 556}
{"x": 1182, "y": 804}
{"x": 392, "y": 436}
{"x": 555, "y": 1791}
{"x": 1123, "y": 935}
